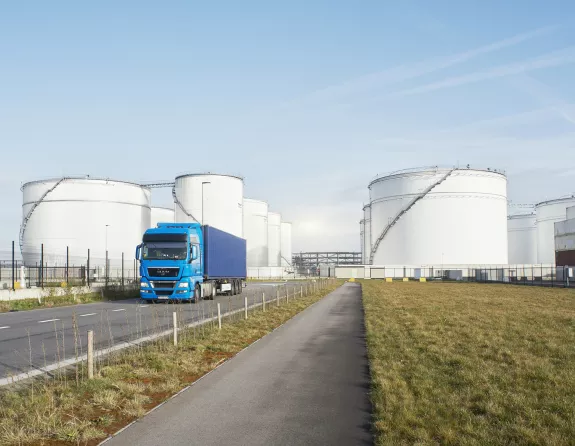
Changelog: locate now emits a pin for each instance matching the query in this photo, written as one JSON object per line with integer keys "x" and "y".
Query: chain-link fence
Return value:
{"x": 535, "y": 275}
{"x": 37, "y": 267}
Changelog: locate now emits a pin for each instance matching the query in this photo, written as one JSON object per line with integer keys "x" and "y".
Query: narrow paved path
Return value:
{"x": 307, "y": 383}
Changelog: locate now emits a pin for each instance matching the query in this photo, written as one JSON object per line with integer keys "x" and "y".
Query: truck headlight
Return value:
{"x": 183, "y": 285}
{"x": 144, "y": 285}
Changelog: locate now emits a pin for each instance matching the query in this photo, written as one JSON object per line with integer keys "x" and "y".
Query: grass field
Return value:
{"x": 73, "y": 410}
{"x": 471, "y": 364}
{"x": 51, "y": 300}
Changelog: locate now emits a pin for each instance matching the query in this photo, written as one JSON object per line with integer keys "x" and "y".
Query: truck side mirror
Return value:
{"x": 138, "y": 251}
{"x": 194, "y": 252}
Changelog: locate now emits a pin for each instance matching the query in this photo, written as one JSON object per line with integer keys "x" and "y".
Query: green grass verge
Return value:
{"x": 51, "y": 300}
{"x": 73, "y": 410}
{"x": 471, "y": 364}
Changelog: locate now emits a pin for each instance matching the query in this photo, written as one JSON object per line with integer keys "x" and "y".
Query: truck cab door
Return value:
{"x": 195, "y": 260}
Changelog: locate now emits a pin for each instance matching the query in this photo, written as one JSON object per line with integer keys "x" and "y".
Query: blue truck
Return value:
{"x": 188, "y": 261}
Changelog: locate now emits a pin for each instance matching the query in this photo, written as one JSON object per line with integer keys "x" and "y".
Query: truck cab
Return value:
{"x": 171, "y": 261}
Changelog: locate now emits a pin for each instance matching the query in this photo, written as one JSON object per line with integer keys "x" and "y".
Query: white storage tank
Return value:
{"x": 361, "y": 239}
{"x": 274, "y": 239}
{"x": 83, "y": 213}
{"x": 161, "y": 215}
{"x": 434, "y": 216}
{"x": 210, "y": 199}
{"x": 570, "y": 213}
{"x": 366, "y": 233}
{"x": 285, "y": 244}
{"x": 256, "y": 232}
{"x": 522, "y": 239}
{"x": 549, "y": 212}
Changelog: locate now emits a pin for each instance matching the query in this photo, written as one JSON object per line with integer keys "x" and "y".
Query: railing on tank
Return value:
{"x": 181, "y": 206}
{"x": 403, "y": 212}
{"x": 434, "y": 169}
{"x": 33, "y": 208}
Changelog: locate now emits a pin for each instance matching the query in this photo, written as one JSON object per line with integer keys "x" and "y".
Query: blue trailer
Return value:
{"x": 184, "y": 261}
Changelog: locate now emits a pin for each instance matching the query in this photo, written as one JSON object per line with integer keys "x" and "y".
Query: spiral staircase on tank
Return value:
{"x": 181, "y": 206}
{"x": 31, "y": 211}
{"x": 404, "y": 211}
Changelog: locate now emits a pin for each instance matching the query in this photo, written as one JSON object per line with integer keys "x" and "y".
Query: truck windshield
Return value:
{"x": 164, "y": 251}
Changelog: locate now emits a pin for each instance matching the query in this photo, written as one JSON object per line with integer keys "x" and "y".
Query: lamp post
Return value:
{"x": 106, "y": 243}
{"x": 203, "y": 182}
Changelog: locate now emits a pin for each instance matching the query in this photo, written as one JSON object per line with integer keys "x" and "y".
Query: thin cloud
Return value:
{"x": 406, "y": 72}
{"x": 544, "y": 95}
{"x": 553, "y": 59}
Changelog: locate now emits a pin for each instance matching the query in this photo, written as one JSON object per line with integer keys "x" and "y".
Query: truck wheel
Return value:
{"x": 197, "y": 294}
{"x": 236, "y": 288}
{"x": 214, "y": 292}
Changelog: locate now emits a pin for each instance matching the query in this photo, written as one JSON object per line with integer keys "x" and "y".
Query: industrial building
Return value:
{"x": 108, "y": 217}
{"x": 565, "y": 239}
{"x": 548, "y": 213}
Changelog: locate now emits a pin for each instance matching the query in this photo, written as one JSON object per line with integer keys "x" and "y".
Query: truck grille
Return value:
{"x": 163, "y": 284}
{"x": 163, "y": 272}
{"x": 163, "y": 292}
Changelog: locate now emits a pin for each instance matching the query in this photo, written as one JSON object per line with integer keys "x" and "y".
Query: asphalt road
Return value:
{"x": 35, "y": 338}
{"x": 306, "y": 383}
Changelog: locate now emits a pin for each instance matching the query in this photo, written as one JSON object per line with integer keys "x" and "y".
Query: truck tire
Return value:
{"x": 197, "y": 294}
{"x": 214, "y": 291}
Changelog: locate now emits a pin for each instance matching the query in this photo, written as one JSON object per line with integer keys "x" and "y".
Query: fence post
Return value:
{"x": 122, "y": 271}
{"x": 301, "y": 291}
{"x": 264, "y": 301}
{"x": 42, "y": 265}
{"x": 246, "y": 306}
{"x": 175, "y": 323}
{"x": 67, "y": 264}
{"x": 88, "y": 270}
{"x": 90, "y": 354}
{"x": 13, "y": 268}
{"x": 287, "y": 295}
{"x": 278, "y": 296}
{"x": 219, "y": 317}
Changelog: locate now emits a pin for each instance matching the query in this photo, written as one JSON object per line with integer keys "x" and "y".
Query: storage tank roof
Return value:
{"x": 85, "y": 177}
{"x": 517, "y": 216}
{"x": 556, "y": 200}
{"x": 432, "y": 169}
{"x": 209, "y": 173}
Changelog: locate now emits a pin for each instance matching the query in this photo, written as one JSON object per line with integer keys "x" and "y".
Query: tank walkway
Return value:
{"x": 306, "y": 383}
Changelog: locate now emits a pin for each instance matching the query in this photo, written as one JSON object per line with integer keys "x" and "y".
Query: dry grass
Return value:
{"x": 471, "y": 364}
{"x": 60, "y": 412}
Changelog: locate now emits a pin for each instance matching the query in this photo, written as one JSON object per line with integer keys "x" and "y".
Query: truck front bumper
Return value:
{"x": 159, "y": 293}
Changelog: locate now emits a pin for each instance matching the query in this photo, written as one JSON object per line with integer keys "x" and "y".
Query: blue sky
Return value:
{"x": 308, "y": 100}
